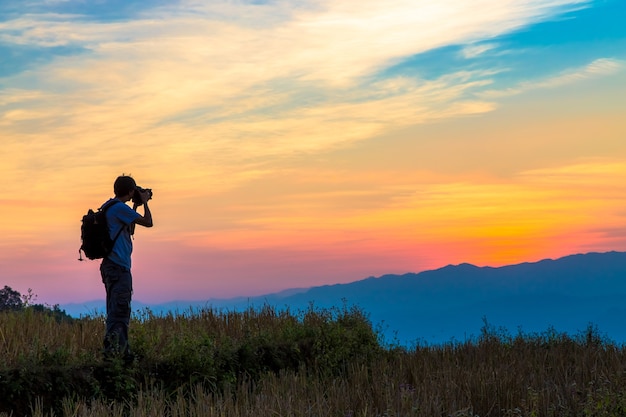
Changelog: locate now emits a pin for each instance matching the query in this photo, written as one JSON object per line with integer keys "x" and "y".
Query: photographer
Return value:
{"x": 115, "y": 268}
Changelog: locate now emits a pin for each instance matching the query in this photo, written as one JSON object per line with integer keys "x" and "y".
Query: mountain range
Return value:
{"x": 453, "y": 303}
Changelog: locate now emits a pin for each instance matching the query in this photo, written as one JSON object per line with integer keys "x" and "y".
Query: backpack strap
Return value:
{"x": 109, "y": 204}
{"x": 104, "y": 209}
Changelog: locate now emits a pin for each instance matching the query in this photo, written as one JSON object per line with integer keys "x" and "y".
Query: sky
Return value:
{"x": 300, "y": 143}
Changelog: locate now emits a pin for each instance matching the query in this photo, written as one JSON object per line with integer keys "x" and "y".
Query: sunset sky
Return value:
{"x": 300, "y": 143}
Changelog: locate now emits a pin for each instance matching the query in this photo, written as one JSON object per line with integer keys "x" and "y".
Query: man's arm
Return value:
{"x": 146, "y": 219}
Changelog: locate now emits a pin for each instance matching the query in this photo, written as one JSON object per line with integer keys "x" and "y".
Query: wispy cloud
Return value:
{"x": 475, "y": 50}
{"x": 230, "y": 82}
{"x": 261, "y": 73}
{"x": 595, "y": 69}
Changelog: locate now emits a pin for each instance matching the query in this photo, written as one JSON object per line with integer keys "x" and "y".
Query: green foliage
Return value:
{"x": 10, "y": 300}
{"x": 54, "y": 312}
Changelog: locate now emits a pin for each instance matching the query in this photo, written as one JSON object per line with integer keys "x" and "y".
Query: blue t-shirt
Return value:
{"x": 120, "y": 216}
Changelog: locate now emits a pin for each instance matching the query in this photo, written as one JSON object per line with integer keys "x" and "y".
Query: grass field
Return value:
{"x": 310, "y": 363}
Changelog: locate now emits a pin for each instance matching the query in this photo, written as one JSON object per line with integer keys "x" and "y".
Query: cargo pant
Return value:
{"x": 118, "y": 283}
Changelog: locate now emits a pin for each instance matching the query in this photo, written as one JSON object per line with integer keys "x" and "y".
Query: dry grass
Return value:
{"x": 548, "y": 374}
{"x": 32, "y": 337}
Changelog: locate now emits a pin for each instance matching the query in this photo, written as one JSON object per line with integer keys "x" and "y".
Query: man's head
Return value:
{"x": 124, "y": 185}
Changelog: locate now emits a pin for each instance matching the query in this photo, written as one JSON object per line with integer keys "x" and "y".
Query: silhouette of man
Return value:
{"x": 115, "y": 267}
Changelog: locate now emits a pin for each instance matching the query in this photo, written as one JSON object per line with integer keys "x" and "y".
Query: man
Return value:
{"x": 115, "y": 267}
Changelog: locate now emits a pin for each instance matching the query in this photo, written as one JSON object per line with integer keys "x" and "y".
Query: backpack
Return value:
{"x": 94, "y": 234}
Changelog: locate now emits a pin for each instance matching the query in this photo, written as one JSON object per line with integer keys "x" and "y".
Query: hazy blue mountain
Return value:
{"x": 451, "y": 303}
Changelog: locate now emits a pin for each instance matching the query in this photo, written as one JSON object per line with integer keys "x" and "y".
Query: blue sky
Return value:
{"x": 94, "y": 10}
{"x": 567, "y": 36}
{"x": 563, "y": 41}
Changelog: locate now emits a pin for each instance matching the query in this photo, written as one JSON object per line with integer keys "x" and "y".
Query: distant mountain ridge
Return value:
{"x": 451, "y": 303}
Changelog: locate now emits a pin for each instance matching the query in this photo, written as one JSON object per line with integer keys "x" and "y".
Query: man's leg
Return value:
{"x": 118, "y": 283}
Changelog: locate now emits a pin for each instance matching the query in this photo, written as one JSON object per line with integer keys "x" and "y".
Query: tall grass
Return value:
{"x": 313, "y": 363}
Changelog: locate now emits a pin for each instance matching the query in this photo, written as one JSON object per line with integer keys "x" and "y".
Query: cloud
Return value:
{"x": 475, "y": 50}
{"x": 212, "y": 86}
{"x": 331, "y": 41}
{"x": 597, "y": 68}
{"x": 583, "y": 175}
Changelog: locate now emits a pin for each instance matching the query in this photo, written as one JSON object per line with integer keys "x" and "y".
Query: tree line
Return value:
{"x": 12, "y": 300}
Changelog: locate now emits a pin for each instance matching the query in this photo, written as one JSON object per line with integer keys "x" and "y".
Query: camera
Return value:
{"x": 137, "y": 196}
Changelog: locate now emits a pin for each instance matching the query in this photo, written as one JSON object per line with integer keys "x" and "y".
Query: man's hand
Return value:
{"x": 145, "y": 196}
{"x": 146, "y": 219}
